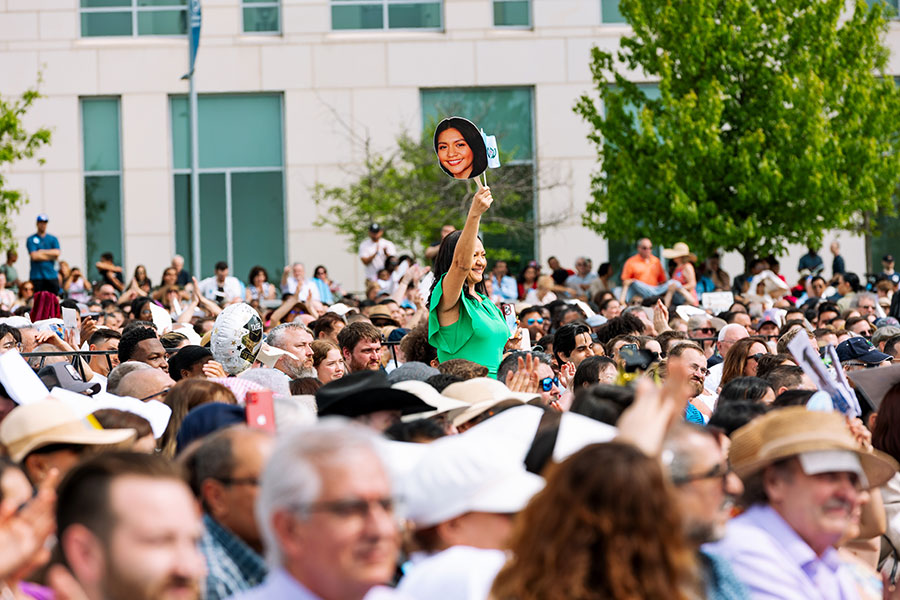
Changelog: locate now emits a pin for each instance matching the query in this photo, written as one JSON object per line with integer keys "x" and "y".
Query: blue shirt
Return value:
{"x": 506, "y": 288}
{"x": 233, "y": 566}
{"x": 42, "y": 269}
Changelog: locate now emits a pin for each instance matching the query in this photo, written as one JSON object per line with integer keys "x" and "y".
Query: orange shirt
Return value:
{"x": 649, "y": 271}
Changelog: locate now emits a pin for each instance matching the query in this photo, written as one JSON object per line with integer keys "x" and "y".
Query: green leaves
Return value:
{"x": 16, "y": 144}
{"x": 772, "y": 123}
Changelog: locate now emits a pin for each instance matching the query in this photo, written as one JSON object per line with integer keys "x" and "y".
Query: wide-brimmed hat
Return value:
{"x": 441, "y": 404}
{"x": 677, "y": 251}
{"x": 482, "y": 393}
{"x": 37, "y": 424}
{"x": 363, "y": 393}
{"x": 792, "y": 431}
{"x": 380, "y": 315}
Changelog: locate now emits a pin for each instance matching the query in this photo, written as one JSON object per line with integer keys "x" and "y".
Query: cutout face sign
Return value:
{"x": 460, "y": 148}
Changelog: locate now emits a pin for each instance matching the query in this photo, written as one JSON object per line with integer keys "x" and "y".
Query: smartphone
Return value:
{"x": 509, "y": 312}
{"x": 525, "y": 344}
{"x": 260, "y": 410}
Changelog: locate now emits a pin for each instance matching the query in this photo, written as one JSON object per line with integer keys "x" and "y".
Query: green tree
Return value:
{"x": 774, "y": 123}
{"x": 411, "y": 198}
{"x": 16, "y": 144}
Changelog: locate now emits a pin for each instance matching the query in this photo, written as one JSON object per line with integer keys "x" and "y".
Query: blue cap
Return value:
{"x": 42, "y": 218}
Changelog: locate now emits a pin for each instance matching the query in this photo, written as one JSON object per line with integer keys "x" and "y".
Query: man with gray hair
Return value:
{"x": 119, "y": 373}
{"x": 581, "y": 280}
{"x": 145, "y": 384}
{"x": 866, "y": 303}
{"x": 728, "y": 335}
{"x": 296, "y": 339}
{"x": 326, "y": 513}
{"x": 705, "y": 489}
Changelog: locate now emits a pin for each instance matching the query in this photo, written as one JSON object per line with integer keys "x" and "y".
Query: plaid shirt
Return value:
{"x": 233, "y": 566}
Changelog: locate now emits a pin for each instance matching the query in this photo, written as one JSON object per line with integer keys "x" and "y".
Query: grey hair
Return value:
{"x": 121, "y": 370}
{"x": 275, "y": 337}
{"x": 292, "y": 478}
{"x": 294, "y": 411}
{"x": 730, "y": 327}
{"x": 677, "y": 455}
{"x": 868, "y": 295}
{"x": 271, "y": 379}
{"x": 35, "y": 361}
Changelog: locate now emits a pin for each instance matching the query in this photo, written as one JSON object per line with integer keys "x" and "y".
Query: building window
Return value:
{"x": 508, "y": 113}
{"x": 512, "y": 13}
{"x": 609, "y": 12}
{"x": 241, "y": 182}
{"x": 261, "y": 16}
{"x": 133, "y": 17}
{"x": 102, "y": 180}
{"x": 386, "y": 14}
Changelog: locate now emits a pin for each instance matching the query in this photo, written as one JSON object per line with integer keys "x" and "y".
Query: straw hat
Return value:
{"x": 677, "y": 251}
{"x": 794, "y": 430}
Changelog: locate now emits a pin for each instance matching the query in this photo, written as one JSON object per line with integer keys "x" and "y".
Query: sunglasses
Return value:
{"x": 547, "y": 383}
{"x": 706, "y": 330}
{"x": 533, "y": 321}
{"x": 756, "y": 356}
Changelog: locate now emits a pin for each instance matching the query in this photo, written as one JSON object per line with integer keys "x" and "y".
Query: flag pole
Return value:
{"x": 193, "y": 45}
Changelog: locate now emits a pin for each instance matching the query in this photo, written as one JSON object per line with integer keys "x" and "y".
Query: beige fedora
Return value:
{"x": 38, "y": 424}
{"x": 794, "y": 430}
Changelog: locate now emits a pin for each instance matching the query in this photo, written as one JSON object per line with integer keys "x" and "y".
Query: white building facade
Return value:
{"x": 288, "y": 90}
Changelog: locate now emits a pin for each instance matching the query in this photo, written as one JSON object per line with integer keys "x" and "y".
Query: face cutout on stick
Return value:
{"x": 460, "y": 148}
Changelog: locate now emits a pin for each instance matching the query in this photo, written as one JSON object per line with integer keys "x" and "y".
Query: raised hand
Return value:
{"x": 481, "y": 202}
{"x": 525, "y": 377}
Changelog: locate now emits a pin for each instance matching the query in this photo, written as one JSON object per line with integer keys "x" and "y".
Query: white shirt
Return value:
{"x": 231, "y": 287}
{"x": 457, "y": 573}
{"x": 307, "y": 291}
{"x": 382, "y": 249}
{"x": 714, "y": 378}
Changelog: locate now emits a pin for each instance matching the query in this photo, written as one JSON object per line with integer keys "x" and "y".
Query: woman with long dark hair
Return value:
{"x": 611, "y": 533}
{"x": 462, "y": 320}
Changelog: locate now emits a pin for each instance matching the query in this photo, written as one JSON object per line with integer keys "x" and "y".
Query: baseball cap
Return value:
{"x": 887, "y": 258}
{"x": 374, "y": 228}
{"x": 461, "y": 474}
{"x": 858, "y": 348}
{"x": 64, "y": 375}
{"x": 29, "y": 427}
{"x": 42, "y": 218}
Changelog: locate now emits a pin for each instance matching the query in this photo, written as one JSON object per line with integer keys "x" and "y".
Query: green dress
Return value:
{"x": 479, "y": 335}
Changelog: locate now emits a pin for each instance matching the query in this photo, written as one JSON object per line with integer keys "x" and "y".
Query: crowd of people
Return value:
{"x": 453, "y": 432}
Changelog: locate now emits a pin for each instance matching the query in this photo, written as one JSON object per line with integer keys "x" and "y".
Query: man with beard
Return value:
{"x": 128, "y": 528}
{"x": 705, "y": 489}
{"x": 296, "y": 339}
{"x": 360, "y": 344}
{"x": 686, "y": 370}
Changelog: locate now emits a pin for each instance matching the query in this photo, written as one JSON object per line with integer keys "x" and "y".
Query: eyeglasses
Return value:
{"x": 547, "y": 383}
{"x": 700, "y": 369}
{"x": 162, "y": 392}
{"x": 721, "y": 470}
{"x": 11, "y": 346}
{"x": 645, "y": 247}
{"x": 533, "y": 321}
{"x": 230, "y": 481}
{"x": 356, "y": 508}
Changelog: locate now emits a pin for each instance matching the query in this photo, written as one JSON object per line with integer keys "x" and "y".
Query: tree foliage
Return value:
{"x": 16, "y": 144}
{"x": 411, "y": 198}
{"x": 774, "y": 123}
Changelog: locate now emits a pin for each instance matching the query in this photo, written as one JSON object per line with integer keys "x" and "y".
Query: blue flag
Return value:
{"x": 193, "y": 31}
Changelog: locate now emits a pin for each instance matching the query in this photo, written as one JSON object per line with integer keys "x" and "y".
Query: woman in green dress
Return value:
{"x": 462, "y": 320}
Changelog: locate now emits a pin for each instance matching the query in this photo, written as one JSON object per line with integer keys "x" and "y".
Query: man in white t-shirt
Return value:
{"x": 222, "y": 288}
{"x": 374, "y": 251}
